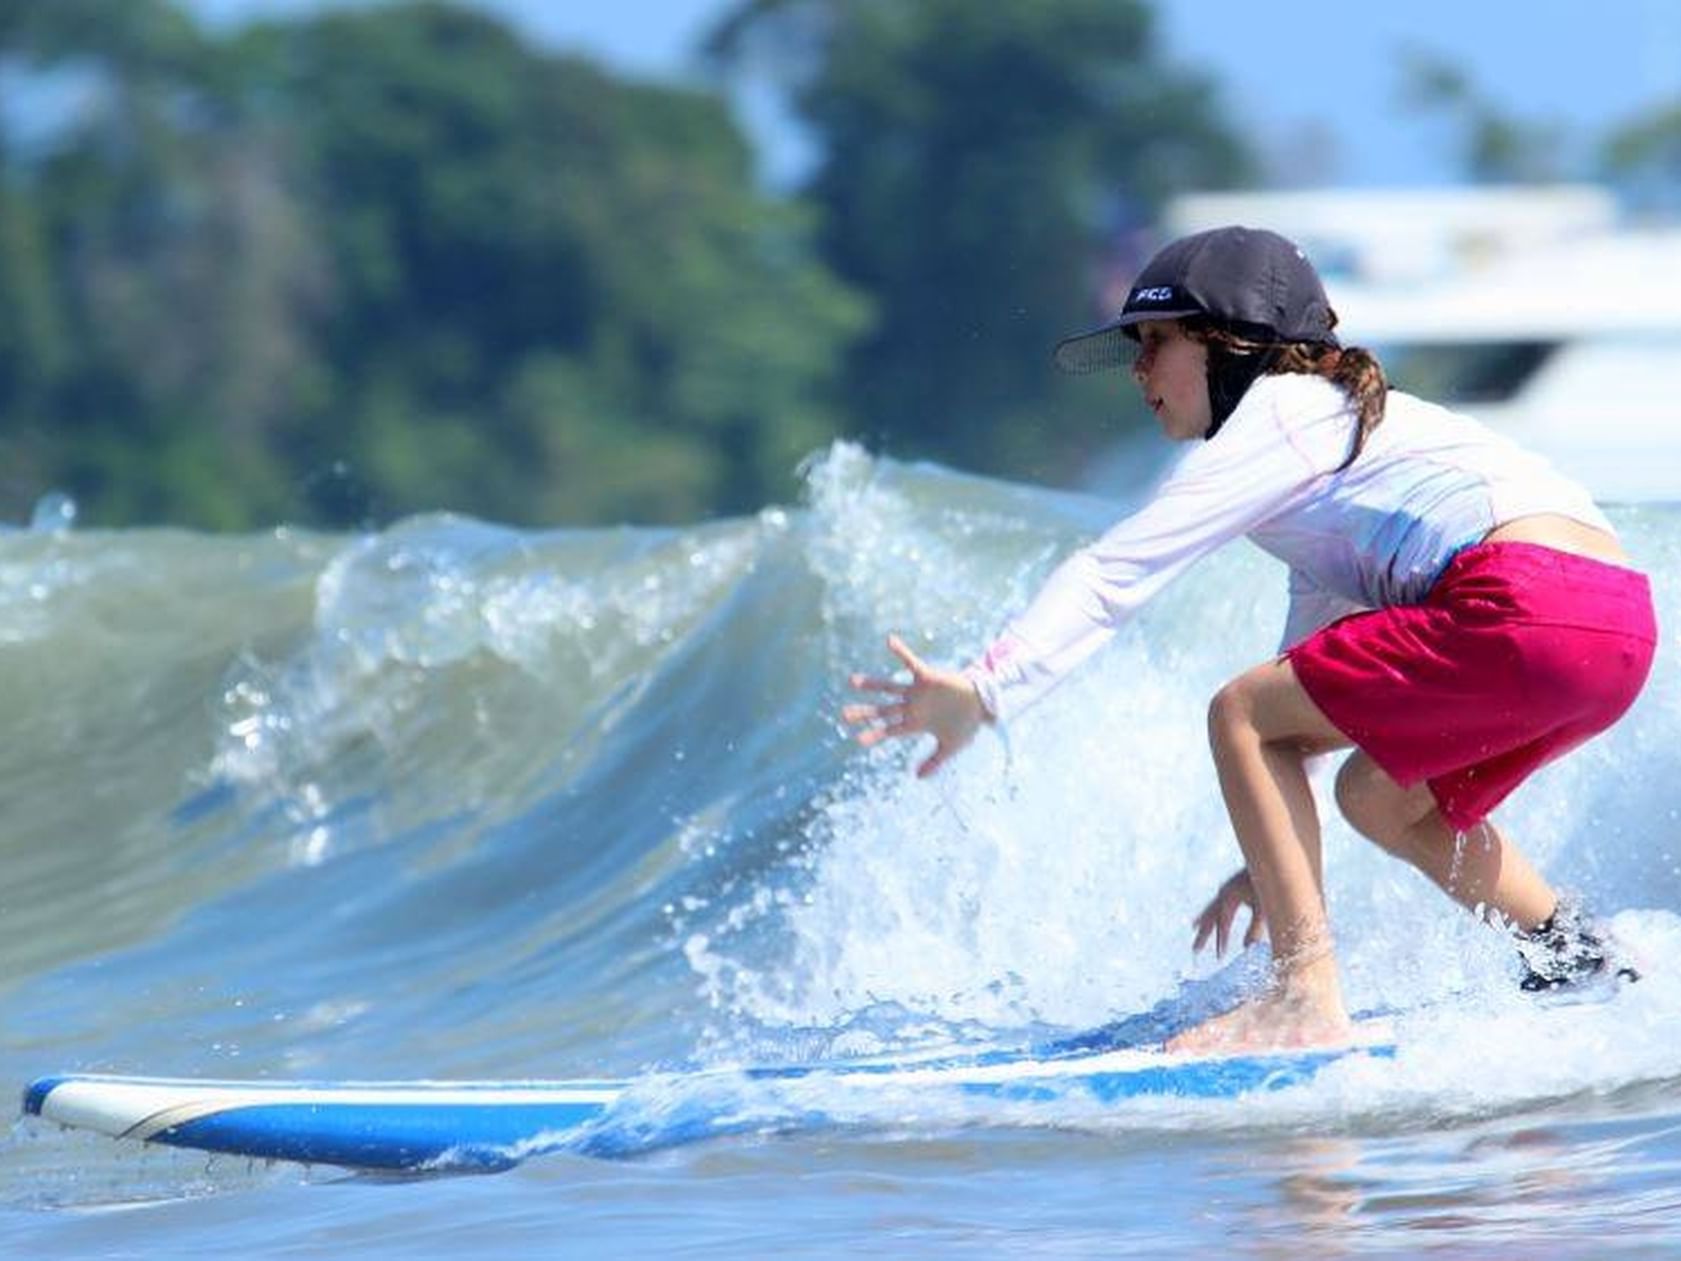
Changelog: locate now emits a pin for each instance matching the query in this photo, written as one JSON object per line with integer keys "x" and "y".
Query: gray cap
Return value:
{"x": 1249, "y": 279}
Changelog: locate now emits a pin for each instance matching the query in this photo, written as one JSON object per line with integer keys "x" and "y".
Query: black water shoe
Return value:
{"x": 1564, "y": 952}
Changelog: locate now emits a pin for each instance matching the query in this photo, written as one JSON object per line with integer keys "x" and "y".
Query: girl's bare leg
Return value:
{"x": 1482, "y": 869}
{"x": 1263, "y": 727}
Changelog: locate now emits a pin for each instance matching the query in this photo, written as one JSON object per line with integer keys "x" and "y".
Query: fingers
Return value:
{"x": 1204, "y": 926}
{"x": 872, "y": 683}
{"x": 900, "y": 649}
{"x": 857, "y": 715}
{"x": 880, "y": 722}
{"x": 887, "y": 719}
{"x": 890, "y": 687}
{"x": 1207, "y": 923}
{"x": 1220, "y": 915}
{"x": 875, "y": 735}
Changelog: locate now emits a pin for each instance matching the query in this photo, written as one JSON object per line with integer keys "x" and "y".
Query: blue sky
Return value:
{"x": 1317, "y": 82}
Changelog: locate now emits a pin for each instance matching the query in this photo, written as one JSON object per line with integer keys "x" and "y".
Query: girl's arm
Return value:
{"x": 1222, "y": 490}
{"x": 1268, "y": 451}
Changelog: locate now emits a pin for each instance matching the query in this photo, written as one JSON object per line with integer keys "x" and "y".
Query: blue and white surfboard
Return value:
{"x": 490, "y": 1125}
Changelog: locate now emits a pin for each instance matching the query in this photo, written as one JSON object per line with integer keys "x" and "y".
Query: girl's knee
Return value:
{"x": 1231, "y": 712}
{"x": 1268, "y": 704}
{"x": 1355, "y": 792}
{"x": 1374, "y": 804}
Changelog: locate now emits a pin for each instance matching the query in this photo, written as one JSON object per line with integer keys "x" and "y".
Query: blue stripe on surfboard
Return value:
{"x": 1202, "y": 1079}
{"x": 382, "y": 1135}
{"x": 1208, "y": 1079}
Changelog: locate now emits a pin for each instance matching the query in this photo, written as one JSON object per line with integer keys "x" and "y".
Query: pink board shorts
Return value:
{"x": 1517, "y": 655}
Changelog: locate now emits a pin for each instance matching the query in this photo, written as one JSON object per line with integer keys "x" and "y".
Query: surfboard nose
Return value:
{"x": 35, "y": 1094}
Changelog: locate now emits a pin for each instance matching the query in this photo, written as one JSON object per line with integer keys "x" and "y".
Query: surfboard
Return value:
{"x": 425, "y": 1125}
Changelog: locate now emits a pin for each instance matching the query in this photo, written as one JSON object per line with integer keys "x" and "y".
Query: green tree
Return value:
{"x": 980, "y": 165}
{"x": 33, "y": 349}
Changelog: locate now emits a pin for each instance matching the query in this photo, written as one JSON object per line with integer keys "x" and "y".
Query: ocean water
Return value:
{"x": 453, "y": 800}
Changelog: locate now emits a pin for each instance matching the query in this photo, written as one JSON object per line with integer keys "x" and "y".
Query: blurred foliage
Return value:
{"x": 390, "y": 259}
{"x": 985, "y": 170}
{"x": 1640, "y": 158}
{"x": 341, "y": 267}
{"x": 1643, "y": 155}
{"x": 1494, "y": 147}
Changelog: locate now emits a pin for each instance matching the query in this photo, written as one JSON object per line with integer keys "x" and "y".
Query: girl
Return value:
{"x": 1459, "y": 613}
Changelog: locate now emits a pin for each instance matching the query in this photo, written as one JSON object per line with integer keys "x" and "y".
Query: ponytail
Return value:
{"x": 1352, "y": 369}
{"x": 1356, "y": 371}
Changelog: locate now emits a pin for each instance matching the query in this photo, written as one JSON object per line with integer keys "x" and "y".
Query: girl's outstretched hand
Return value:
{"x": 940, "y": 703}
{"x": 1219, "y": 915}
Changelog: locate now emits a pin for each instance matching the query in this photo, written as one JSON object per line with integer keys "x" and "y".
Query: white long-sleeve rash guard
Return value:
{"x": 1428, "y": 484}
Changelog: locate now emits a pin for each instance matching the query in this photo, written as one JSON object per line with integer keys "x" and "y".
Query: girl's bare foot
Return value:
{"x": 1304, "y": 1009}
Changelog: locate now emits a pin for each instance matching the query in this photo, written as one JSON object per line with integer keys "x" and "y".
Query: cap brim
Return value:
{"x": 1103, "y": 348}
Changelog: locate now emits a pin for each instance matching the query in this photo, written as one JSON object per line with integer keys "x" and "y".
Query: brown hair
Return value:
{"x": 1354, "y": 369}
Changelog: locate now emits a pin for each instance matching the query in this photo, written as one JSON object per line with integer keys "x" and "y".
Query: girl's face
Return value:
{"x": 1172, "y": 372}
